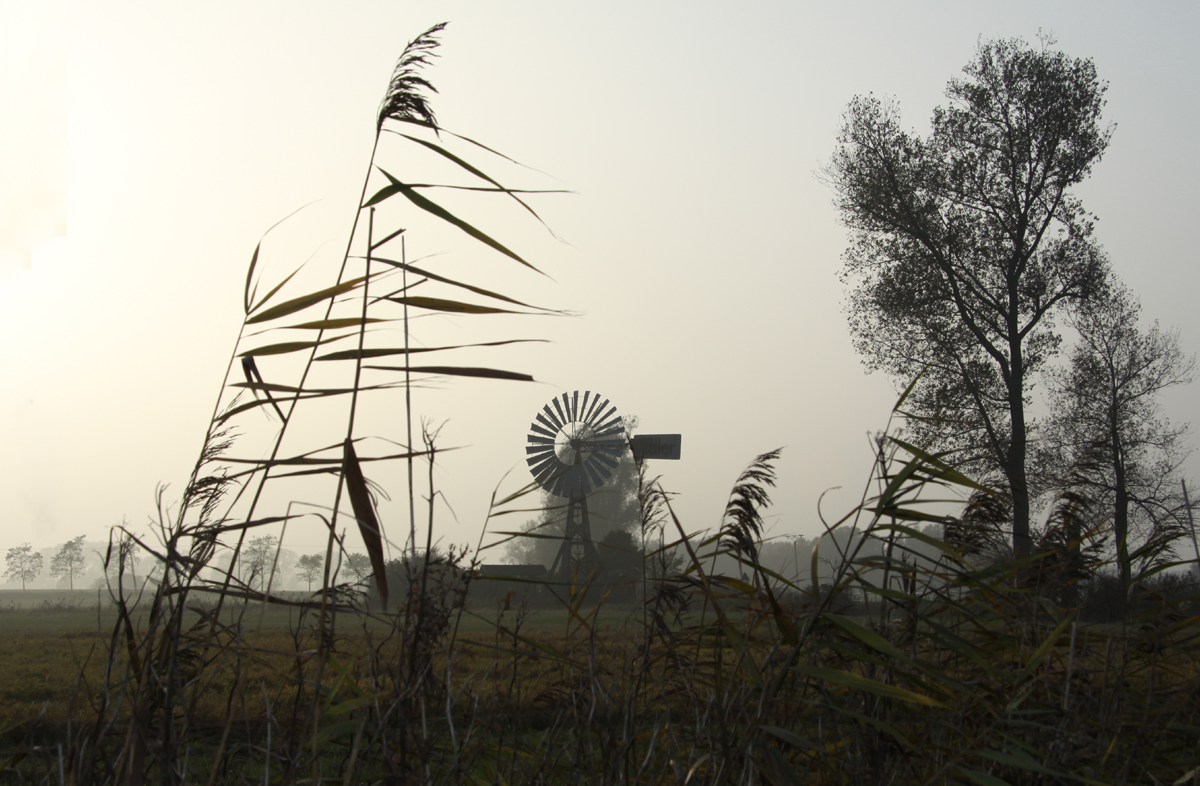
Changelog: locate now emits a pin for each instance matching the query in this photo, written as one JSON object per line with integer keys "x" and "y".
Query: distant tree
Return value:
{"x": 69, "y": 561}
{"x": 258, "y": 560}
{"x": 1106, "y": 432}
{"x": 965, "y": 244}
{"x": 310, "y": 567}
{"x": 23, "y": 564}
{"x": 359, "y": 565}
{"x": 124, "y": 559}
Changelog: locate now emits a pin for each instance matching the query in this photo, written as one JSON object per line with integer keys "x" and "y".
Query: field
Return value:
{"x": 51, "y": 639}
{"x": 951, "y": 684}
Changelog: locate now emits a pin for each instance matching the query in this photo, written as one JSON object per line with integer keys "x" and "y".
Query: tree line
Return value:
{"x": 24, "y": 564}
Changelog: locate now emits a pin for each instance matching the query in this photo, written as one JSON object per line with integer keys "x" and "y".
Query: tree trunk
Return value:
{"x": 1017, "y": 448}
{"x": 1121, "y": 524}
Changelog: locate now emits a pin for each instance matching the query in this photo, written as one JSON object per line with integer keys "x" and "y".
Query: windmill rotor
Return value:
{"x": 575, "y": 443}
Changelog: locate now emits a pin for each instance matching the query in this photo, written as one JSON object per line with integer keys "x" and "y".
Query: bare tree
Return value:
{"x": 23, "y": 563}
{"x": 1106, "y": 424}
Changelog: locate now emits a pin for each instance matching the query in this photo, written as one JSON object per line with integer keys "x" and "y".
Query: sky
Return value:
{"x": 148, "y": 147}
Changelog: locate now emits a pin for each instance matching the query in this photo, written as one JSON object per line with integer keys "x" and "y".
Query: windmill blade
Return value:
{"x": 548, "y": 426}
{"x": 547, "y": 475}
{"x": 553, "y": 485}
{"x": 583, "y": 412}
{"x": 568, "y": 482}
{"x": 543, "y": 431}
{"x": 597, "y": 408}
{"x": 540, "y": 465}
{"x": 594, "y": 474}
{"x": 609, "y": 417}
{"x": 555, "y": 422}
{"x": 543, "y": 471}
{"x": 610, "y": 441}
{"x": 575, "y": 405}
{"x": 606, "y": 460}
{"x": 558, "y": 407}
{"x": 540, "y": 440}
{"x": 609, "y": 428}
{"x": 614, "y": 432}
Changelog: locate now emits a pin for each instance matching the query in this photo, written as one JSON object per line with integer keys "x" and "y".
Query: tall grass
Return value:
{"x": 902, "y": 669}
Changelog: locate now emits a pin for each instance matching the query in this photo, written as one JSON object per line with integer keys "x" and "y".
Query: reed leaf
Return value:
{"x": 462, "y": 285}
{"x": 474, "y": 171}
{"x": 368, "y": 523}
{"x": 354, "y": 354}
{"x": 461, "y": 371}
{"x": 426, "y": 204}
{"x": 449, "y": 306}
{"x": 304, "y": 301}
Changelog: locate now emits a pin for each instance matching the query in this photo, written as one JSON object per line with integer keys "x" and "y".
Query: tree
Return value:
{"x": 69, "y": 561}
{"x": 1106, "y": 425}
{"x": 23, "y": 563}
{"x": 258, "y": 558}
{"x": 965, "y": 245}
{"x": 126, "y": 559}
{"x": 310, "y": 567}
{"x": 359, "y": 565}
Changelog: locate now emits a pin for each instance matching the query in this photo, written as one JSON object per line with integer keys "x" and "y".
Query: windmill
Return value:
{"x": 575, "y": 444}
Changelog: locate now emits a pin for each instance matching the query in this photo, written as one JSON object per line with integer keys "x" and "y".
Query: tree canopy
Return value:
{"x": 965, "y": 244}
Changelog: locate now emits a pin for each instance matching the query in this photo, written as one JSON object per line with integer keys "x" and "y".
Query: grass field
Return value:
{"x": 525, "y": 695}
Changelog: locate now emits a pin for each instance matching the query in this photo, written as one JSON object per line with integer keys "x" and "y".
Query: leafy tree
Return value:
{"x": 965, "y": 245}
{"x": 69, "y": 561}
{"x": 310, "y": 567}
{"x": 359, "y": 565}
{"x": 1107, "y": 435}
{"x": 23, "y": 563}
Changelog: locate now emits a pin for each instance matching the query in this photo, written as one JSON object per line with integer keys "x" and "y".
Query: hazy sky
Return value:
{"x": 698, "y": 246}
